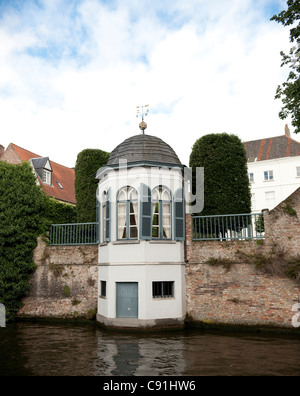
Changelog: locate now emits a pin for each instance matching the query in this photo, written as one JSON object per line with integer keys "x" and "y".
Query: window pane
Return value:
{"x": 121, "y": 220}
{"x": 103, "y": 289}
{"x": 132, "y": 195}
{"x": 104, "y": 222}
{"x": 270, "y": 199}
{"x": 165, "y": 195}
{"x": 155, "y": 220}
{"x": 162, "y": 289}
{"x": 122, "y": 195}
{"x": 133, "y": 232}
{"x": 155, "y": 194}
{"x": 166, "y": 220}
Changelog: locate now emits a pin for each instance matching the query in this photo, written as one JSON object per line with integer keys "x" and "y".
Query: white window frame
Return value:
{"x": 127, "y": 214}
{"x": 269, "y": 175}
{"x": 163, "y": 289}
{"x": 47, "y": 176}
{"x": 270, "y": 203}
{"x": 251, "y": 177}
{"x": 298, "y": 171}
{"x": 161, "y": 213}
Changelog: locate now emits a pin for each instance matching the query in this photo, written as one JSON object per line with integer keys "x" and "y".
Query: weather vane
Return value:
{"x": 142, "y": 111}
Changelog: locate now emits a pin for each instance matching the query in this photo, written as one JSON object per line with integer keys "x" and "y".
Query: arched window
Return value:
{"x": 161, "y": 213}
{"x": 127, "y": 207}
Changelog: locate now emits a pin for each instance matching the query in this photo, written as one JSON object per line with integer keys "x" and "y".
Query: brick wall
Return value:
{"x": 64, "y": 284}
{"x": 10, "y": 155}
{"x": 239, "y": 294}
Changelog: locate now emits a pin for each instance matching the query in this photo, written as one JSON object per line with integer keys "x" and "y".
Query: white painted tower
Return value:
{"x": 142, "y": 231}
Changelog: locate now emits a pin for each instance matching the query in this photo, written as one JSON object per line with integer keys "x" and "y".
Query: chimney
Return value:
{"x": 1, "y": 150}
{"x": 287, "y": 131}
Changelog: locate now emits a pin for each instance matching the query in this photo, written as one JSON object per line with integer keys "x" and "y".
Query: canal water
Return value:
{"x": 68, "y": 349}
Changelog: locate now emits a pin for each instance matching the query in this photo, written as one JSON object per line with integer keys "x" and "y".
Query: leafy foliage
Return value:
{"x": 22, "y": 220}
{"x": 60, "y": 213}
{"x": 87, "y": 164}
{"x": 289, "y": 91}
{"x": 226, "y": 182}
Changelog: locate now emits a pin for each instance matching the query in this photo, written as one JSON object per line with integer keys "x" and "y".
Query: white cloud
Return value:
{"x": 72, "y": 73}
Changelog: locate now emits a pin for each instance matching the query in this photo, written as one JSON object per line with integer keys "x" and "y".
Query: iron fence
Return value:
{"x": 74, "y": 234}
{"x": 228, "y": 227}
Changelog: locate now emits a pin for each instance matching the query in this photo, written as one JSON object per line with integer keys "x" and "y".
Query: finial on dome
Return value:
{"x": 143, "y": 126}
{"x": 142, "y": 111}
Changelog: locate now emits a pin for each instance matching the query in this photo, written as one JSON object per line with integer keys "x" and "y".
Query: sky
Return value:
{"x": 72, "y": 72}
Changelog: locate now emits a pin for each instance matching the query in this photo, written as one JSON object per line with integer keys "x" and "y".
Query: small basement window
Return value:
{"x": 102, "y": 288}
{"x": 162, "y": 289}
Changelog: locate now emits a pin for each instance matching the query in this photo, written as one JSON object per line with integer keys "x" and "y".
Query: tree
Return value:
{"x": 289, "y": 91}
{"x": 22, "y": 220}
{"x": 226, "y": 182}
{"x": 87, "y": 163}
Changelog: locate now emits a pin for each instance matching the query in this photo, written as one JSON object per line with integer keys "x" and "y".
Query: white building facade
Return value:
{"x": 142, "y": 230}
{"x": 274, "y": 170}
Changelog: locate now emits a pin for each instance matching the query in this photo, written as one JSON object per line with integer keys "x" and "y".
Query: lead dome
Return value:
{"x": 144, "y": 148}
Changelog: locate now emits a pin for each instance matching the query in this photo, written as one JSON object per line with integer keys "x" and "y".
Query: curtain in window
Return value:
{"x": 155, "y": 220}
{"x": 121, "y": 220}
{"x": 161, "y": 213}
{"x": 166, "y": 220}
{"x": 133, "y": 219}
{"x": 127, "y": 213}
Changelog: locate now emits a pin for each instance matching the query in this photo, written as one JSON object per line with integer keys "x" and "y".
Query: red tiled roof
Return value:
{"x": 272, "y": 148}
{"x": 24, "y": 155}
{"x": 60, "y": 173}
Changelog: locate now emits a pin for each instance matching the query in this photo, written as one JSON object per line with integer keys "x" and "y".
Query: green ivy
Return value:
{"x": 25, "y": 213}
{"x": 22, "y": 219}
{"x": 87, "y": 163}
{"x": 60, "y": 213}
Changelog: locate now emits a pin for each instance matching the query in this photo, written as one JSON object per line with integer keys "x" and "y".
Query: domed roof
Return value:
{"x": 144, "y": 148}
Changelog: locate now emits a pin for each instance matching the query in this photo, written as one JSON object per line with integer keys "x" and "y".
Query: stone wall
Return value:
{"x": 225, "y": 287}
{"x": 64, "y": 284}
{"x": 229, "y": 290}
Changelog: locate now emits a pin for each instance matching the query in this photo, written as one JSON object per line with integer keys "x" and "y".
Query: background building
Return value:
{"x": 274, "y": 170}
{"x": 57, "y": 181}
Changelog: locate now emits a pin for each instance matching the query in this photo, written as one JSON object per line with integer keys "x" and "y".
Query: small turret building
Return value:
{"x": 142, "y": 231}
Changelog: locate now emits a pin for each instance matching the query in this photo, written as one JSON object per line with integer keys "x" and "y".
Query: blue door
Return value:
{"x": 127, "y": 300}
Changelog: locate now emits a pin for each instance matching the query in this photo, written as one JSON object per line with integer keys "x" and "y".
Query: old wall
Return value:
{"x": 10, "y": 155}
{"x": 231, "y": 290}
{"x": 228, "y": 291}
{"x": 64, "y": 284}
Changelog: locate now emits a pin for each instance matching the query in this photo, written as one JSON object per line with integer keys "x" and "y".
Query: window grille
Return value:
{"x": 162, "y": 289}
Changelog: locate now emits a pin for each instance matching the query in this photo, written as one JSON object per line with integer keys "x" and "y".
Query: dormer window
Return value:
{"x": 43, "y": 168}
{"x": 46, "y": 177}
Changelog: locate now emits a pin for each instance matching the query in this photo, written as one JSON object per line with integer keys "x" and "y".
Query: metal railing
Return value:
{"x": 228, "y": 227}
{"x": 74, "y": 234}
